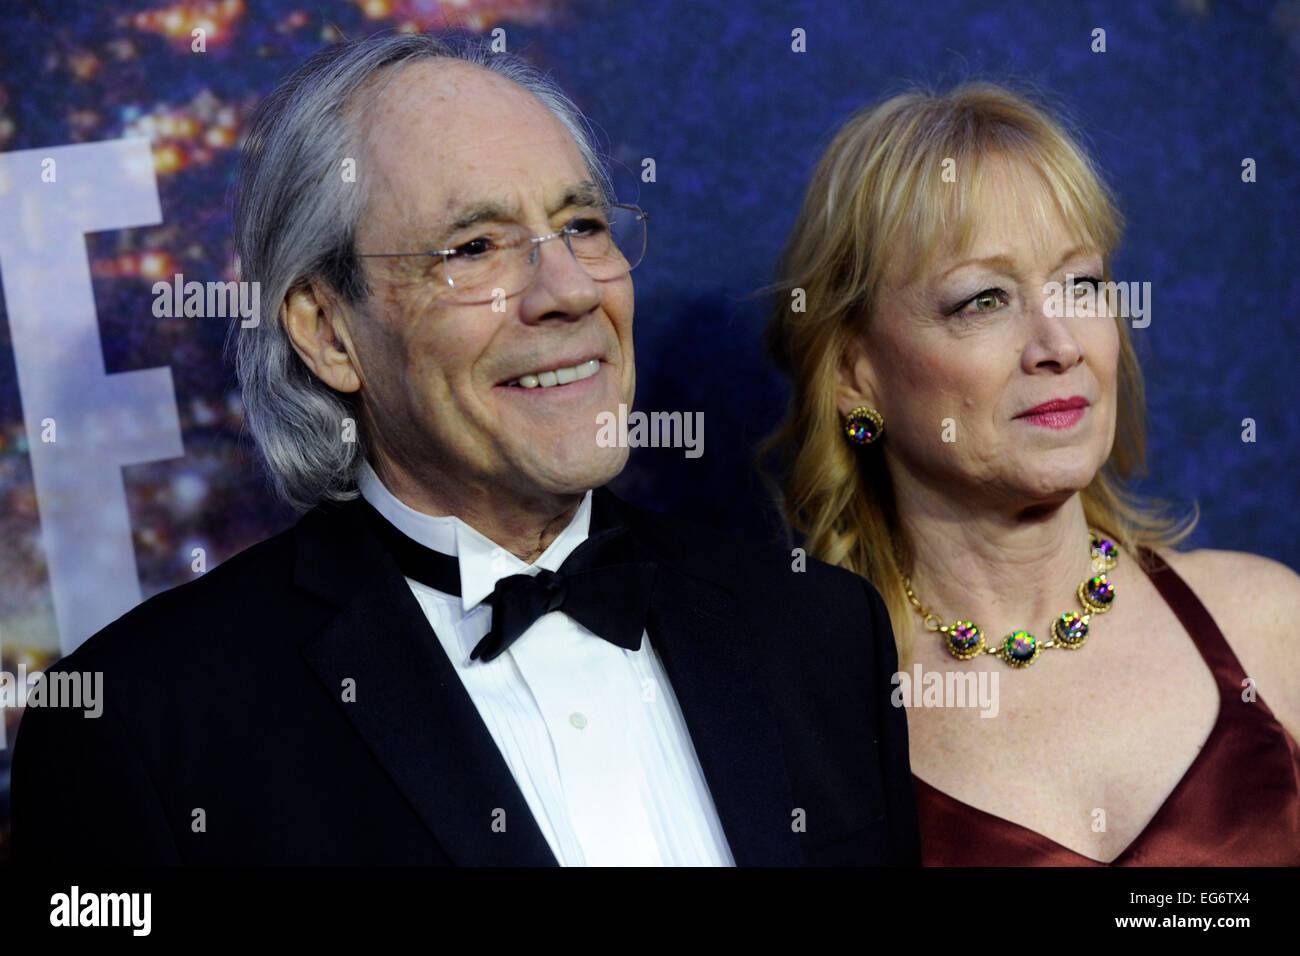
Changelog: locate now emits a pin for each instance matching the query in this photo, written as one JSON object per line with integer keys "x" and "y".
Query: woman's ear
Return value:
{"x": 314, "y": 322}
{"x": 857, "y": 378}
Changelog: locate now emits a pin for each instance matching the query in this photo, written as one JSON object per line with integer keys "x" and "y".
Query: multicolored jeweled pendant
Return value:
{"x": 1105, "y": 553}
{"x": 1070, "y": 630}
{"x": 1020, "y": 649}
{"x": 1096, "y": 594}
{"x": 965, "y": 640}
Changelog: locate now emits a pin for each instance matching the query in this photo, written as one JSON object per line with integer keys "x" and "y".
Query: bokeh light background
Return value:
{"x": 734, "y": 120}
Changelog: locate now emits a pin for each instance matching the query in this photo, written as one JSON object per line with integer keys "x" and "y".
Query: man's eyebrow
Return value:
{"x": 583, "y": 194}
{"x": 479, "y": 212}
{"x": 580, "y": 194}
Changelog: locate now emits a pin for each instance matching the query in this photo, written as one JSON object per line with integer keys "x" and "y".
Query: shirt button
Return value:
{"x": 578, "y": 720}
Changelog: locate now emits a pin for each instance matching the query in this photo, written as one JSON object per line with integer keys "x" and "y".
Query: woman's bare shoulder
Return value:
{"x": 1242, "y": 579}
{"x": 1256, "y": 603}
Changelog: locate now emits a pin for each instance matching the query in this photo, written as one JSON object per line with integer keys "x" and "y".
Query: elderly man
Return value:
{"x": 477, "y": 659}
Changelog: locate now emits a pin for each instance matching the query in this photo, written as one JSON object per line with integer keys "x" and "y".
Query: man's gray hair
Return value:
{"x": 296, "y": 218}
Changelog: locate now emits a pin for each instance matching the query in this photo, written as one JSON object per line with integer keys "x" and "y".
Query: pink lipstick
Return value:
{"x": 1058, "y": 413}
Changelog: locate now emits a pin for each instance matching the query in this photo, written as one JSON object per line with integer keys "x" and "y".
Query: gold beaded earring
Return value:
{"x": 864, "y": 425}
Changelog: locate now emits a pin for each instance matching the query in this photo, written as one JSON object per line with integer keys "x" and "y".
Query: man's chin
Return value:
{"x": 579, "y": 477}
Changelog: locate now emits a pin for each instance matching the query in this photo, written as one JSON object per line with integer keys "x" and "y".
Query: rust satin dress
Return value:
{"x": 1238, "y": 804}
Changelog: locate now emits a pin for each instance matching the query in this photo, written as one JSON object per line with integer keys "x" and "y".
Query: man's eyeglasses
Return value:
{"x": 502, "y": 260}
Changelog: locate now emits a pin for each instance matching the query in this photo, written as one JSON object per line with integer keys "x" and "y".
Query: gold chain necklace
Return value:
{"x": 965, "y": 640}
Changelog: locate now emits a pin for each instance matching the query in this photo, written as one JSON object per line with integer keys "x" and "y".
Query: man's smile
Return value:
{"x": 557, "y": 375}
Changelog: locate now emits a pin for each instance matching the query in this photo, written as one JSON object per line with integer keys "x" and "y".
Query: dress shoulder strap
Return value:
{"x": 1191, "y": 613}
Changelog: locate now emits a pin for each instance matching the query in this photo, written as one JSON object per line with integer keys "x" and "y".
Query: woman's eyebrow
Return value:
{"x": 1002, "y": 262}
{"x": 1077, "y": 251}
{"x": 1007, "y": 265}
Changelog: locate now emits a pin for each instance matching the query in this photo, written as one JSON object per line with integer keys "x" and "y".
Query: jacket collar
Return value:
{"x": 417, "y": 718}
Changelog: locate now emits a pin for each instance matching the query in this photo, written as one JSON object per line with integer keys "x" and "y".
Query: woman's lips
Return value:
{"x": 1058, "y": 413}
{"x": 1064, "y": 418}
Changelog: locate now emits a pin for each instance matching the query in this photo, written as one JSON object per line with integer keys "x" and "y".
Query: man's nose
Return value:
{"x": 560, "y": 286}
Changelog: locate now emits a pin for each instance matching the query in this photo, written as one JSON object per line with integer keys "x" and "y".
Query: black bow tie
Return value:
{"x": 600, "y": 585}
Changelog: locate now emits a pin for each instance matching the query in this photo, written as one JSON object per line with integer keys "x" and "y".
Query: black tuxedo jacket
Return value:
{"x": 227, "y": 737}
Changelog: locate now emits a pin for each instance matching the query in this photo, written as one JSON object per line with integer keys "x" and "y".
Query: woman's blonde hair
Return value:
{"x": 879, "y": 197}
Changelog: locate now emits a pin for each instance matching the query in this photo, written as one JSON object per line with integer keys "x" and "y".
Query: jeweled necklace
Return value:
{"x": 965, "y": 640}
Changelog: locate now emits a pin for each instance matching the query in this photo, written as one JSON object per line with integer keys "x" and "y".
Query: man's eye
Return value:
{"x": 586, "y": 227}
{"x": 473, "y": 249}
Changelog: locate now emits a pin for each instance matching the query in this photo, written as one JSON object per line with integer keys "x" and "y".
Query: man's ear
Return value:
{"x": 857, "y": 379}
{"x": 314, "y": 321}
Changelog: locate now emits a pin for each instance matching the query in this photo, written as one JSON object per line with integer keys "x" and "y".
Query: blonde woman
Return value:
{"x": 966, "y": 408}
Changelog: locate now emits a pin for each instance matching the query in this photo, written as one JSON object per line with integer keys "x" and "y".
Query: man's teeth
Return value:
{"x": 559, "y": 376}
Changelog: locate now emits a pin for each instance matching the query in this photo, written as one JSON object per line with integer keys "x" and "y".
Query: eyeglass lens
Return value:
{"x": 503, "y": 265}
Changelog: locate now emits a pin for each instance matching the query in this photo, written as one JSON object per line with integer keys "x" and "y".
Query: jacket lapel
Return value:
{"x": 410, "y": 707}
{"x": 695, "y": 626}
{"x": 416, "y": 717}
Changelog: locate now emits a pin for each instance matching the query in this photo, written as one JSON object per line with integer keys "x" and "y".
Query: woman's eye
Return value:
{"x": 1085, "y": 282}
{"x": 986, "y": 301}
